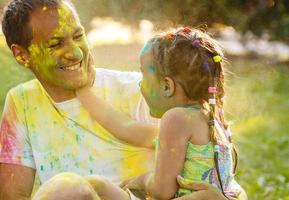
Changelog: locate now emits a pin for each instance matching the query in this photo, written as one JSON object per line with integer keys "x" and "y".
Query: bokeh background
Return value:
{"x": 255, "y": 37}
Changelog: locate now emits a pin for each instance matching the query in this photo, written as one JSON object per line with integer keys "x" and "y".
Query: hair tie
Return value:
{"x": 211, "y": 122}
{"x": 206, "y": 66}
{"x": 212, "y": 90}
{"x": 196, "y": 43}
{"x": 169, "y": 36}
{"x": 217, "y": 59}
{"x": 212, "y": 101}
{"x": 187, "y": 30}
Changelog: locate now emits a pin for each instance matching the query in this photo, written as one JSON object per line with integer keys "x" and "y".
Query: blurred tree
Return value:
{"x": 2, "y": 4}
{"x": 269, "y": 16}
{"x": 258, "y": 16}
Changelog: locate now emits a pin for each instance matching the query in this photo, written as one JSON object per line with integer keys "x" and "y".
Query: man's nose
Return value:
{"x": 73, "y": 53}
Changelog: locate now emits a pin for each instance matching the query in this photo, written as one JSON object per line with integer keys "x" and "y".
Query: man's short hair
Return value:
{"x": 15, "y": 21}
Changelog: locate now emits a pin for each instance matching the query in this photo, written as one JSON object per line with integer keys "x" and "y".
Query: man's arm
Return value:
{"x": 16, "y": 182}
{"x": 16, "y": 178}
{"x": 204, "y": 191}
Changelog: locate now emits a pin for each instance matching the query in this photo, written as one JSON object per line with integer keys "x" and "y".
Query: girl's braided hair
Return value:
{"x": 194, "y": 60}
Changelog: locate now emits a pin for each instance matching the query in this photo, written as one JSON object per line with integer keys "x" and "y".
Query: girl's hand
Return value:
{"x": 90, "y": 71}
{"x": 90, "y": 76}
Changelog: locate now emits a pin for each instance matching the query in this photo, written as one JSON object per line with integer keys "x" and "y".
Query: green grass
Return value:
{"x": 11, "y": 73}
{"x": 257, "y": 104}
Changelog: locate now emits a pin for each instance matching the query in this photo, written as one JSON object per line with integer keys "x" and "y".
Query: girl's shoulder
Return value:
{"x": 183, "y": 116}
{"x": 174, "y": 126}
{"x": 188, "y": 122}
{"x": 182, "y": 119}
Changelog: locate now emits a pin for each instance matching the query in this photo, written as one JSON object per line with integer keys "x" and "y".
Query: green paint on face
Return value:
{"x": 152, "y": 94}
{"x": 59, "y": 49}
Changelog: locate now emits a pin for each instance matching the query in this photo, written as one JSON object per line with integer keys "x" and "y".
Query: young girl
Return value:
{"x": 183, "y": 84}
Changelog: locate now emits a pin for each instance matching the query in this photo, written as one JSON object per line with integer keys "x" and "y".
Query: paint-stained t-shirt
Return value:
{"x": 58, "y": 137}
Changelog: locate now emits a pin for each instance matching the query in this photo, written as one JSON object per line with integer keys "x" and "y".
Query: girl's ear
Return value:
{"x": 21, "y": 55}
{"x": 168, "y": 87}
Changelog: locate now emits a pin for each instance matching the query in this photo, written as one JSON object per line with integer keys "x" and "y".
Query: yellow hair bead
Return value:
{"x": 217, "y": 59}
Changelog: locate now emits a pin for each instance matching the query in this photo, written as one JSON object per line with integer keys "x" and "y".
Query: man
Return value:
{"x": 44, "y": 130}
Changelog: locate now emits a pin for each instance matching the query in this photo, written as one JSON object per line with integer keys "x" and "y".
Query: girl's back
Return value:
{"x": 199, "y": 164}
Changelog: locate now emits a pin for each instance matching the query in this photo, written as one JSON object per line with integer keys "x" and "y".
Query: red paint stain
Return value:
{"x": 7, "y": 140}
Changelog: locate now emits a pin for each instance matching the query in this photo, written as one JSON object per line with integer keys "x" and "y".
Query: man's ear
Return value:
{"x": 168, "y": 87}
{"x": 21, "y": 55}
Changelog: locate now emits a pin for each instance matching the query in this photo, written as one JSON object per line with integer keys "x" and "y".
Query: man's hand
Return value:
{"x": 136, "y": 183}
{"x": 202, "y": 191}
{"x": 16, "y": 182}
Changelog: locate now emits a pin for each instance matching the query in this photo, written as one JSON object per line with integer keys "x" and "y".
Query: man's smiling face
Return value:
{"x": 59, "y": 49}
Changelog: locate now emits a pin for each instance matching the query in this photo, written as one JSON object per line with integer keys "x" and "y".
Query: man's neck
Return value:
{"x": 58, "y": 94}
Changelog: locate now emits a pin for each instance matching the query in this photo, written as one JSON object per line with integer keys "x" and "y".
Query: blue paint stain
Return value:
{"x": 90, "y": 158}
{"x": 151, "y": 69}
{"x": 77, "y": 138}
{"x": 152, "y": 94}
{"x": 145, "y": 48}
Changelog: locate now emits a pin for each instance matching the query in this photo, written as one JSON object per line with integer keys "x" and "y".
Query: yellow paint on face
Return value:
{"x": 59, "y": 42}
{"x": 67, "y": 20}
{"x": 18, "y": 58}
{"x": 39, "y": 52}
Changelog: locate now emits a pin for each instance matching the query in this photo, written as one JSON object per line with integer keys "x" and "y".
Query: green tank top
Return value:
{"x": 199, "y": 166}
{"x": 199, "y": 162}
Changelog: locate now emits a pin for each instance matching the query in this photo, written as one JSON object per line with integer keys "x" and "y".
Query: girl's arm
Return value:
{"x": 173, "y": 140}
{"x": 116, "y": 122}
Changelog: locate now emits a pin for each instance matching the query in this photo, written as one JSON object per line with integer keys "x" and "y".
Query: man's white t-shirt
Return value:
{"x": 62, "y": 137}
